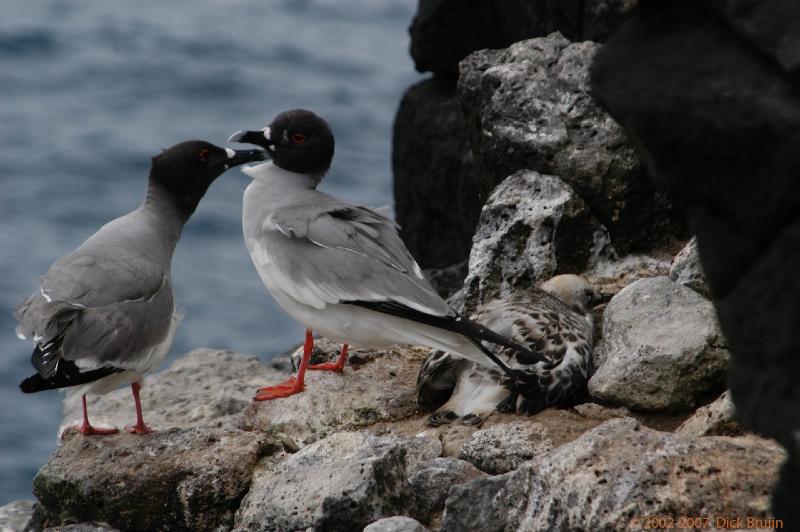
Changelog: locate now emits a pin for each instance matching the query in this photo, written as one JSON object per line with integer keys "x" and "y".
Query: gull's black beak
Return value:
{"x": 259, "y": 138}
{"x": 237, "y": 157}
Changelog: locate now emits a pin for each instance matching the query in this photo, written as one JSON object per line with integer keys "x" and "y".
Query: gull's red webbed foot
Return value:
{"x": 337, "y": 367}
{"x": 292, "y": 385}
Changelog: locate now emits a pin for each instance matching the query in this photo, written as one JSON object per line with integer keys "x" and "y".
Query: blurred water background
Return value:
{"x": 90, "y": 90}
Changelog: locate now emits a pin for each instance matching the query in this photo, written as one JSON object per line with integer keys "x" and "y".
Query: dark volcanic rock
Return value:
{"x": 529, "y": 107}
{"x": 445, "y": 31}
{"x": 617, "y": 473}
{"x": 436, "y": 189}
{"x": 709, "y": 92}
{"x": 191, "y": 479}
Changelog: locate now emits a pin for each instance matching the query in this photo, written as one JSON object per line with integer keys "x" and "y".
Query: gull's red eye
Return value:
{"x": 204, "y": 155}
{"x": 298, "y": 138}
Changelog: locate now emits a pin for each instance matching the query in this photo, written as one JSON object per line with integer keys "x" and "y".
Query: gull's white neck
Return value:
{"x": 277, "y": 179}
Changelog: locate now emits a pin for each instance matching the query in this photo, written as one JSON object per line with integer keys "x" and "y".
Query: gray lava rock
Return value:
{"x": 532, "y": 227}
{"x": 715, "y": 419}
{"x": 620, "y": 472}
{"x": 397, "y": 523}
{"x": 687, "y": 269}
{"x": 432, "y": 481}
{"x": 204, "y": 388}
{"x": 436, "y": 185}
{"x": 471, "y": 506}
{"x": 377, "y": 385}
{"x": 708, "y": 89}
{"x": 14, "y": 516}
{"x": 176, "y": 479}
{"x": 661, "y": 350}
{"x": 343, "y": 482}
{"x": 445, "y": 31}
{"x": 529, "y": 107}
{"x": 82, "y": 527}
{"x": 448, "y": 281}
{"x": 503, "y": 448}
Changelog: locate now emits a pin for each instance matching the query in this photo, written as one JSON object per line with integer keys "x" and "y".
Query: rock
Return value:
{"x": 448, "y": 281}
{"x": 82, "y": 527}
{"x": 708, "y": 90}
{"x": 620, "y": 472}
{"x": 602, "y": 17}
{"x": 14, "y": 516}
{"x": 715, "y": 419}
{"x": 432, "y": 480}
{"x": 435, "y": 177}
{"x": 661, "y": 350}
{"x": 377, "y": 385}
{"x": 397, "y": 523}
{"x": 420, "y": 449}
{"x": 687, "y": 269}
{"x": 529, "y": 107}
{"x": 344, "y": 482}
{"x": 190, "y": 478}
{"x": 204, "y": 388}
{"x": 444, "y": 31}
{"x": 502, "y": 448}
{"x": 532, "y": 227}
{"x": 470, "y": 506}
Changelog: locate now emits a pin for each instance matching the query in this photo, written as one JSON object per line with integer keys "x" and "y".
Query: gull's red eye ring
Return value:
{"x": 204, "y": 155}
{"x": 298, "y": 138}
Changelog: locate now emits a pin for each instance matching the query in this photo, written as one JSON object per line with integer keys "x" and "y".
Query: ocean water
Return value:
{"x": 89, "y": 91}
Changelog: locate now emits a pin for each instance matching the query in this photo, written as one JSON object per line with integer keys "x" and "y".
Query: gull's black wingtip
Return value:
{"x": 30, "y": 385}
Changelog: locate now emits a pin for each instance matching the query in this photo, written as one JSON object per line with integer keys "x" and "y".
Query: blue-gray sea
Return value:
{"x": 90, "y": 90}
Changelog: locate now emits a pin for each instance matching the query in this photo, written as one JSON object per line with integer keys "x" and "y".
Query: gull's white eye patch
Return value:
{"x": 230, "y": 153}
{"x": 267, "y": 133}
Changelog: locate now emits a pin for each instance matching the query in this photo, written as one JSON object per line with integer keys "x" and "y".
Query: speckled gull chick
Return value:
{"x": 340, "y": 270}
{"x": 104, "y": 315}
{"x": 553, "y": 320}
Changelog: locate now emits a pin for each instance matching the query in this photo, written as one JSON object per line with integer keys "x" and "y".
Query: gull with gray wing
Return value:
{"x": 104, "y": 315}
{"x": 341, "y": 270}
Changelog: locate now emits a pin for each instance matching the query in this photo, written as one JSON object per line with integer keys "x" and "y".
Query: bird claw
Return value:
{"x": 88, "y": 430}
{"x": 327, "y": 366}
{"x": 509, "y": 404}
{"x": 284, "y": 389}
{"x": 139, "y": 429}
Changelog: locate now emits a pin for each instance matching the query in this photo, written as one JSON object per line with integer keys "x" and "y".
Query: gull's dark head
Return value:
{"x": 298, "y": 141}
{"x": 186, "y": 170}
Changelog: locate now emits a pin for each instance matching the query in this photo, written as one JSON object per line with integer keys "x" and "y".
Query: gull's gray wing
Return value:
{"x": 322, "y": 251}
{"x": 100, "y": 306}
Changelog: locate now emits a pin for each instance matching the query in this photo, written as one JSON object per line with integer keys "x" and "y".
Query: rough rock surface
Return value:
{"x": 502, "y": 448}
{"x": 204, "y": 388}
{"x": 708, "y": 91}
{"x": 192, "y": 479}
{"x": 436, "y": 187}
{"x": 687, "y": 269}
{"x": 432, "y": 480}
{"x": 445, "y": 31}
{"x": 397, "y": 523}
{"x": 529, "y": 107}
{"x": 15, "y": 516}
{"x": 616, "y": 473}
{"x": 715, "y": 419}
{"x": 532, "y": 227}
{"x": 661, "y": 348}
{"x": 343, "y": 482}
{"x": 360, "y": 396}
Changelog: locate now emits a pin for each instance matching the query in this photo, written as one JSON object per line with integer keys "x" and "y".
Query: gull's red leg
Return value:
{"x": 140, "y": 427}
{"x": 86, "y": 428}
{"x": 293, "y": 384}
{"x": 337, "y": 366}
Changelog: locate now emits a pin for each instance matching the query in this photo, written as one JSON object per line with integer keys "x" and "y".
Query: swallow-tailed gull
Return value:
{"x": 340, "y": 270}
{"x": 554, "y": 321}
{"x": 104, "y": 315}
